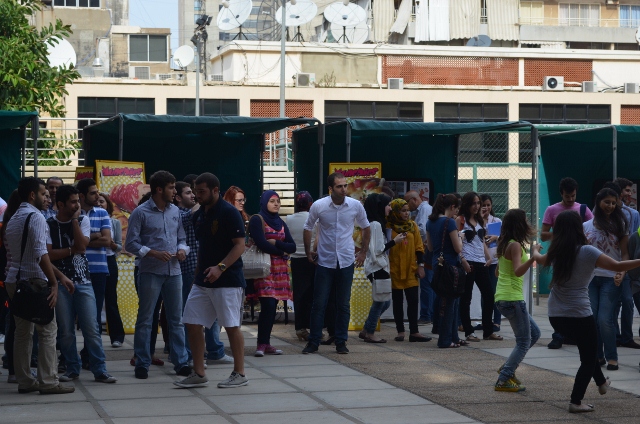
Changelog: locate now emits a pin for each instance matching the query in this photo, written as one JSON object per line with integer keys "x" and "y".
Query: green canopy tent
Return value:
{"x": 406, "y": 149}
{"x": 13, "y": 145}
{"x": 230, "y": 147}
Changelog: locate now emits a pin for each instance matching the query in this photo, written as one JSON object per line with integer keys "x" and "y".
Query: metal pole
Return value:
{"x": 283, "y": 41}
{"x": 534, "y": 213}
{"x": 348, "y": 142}
{"x": 24, "y": 150}
{"x": 35, "y": 131}
{"x": 614, "y": 138}
{"x": 321, "y": 135}
{"x": 198, "y": 76}
{"x": 121, "y": 139}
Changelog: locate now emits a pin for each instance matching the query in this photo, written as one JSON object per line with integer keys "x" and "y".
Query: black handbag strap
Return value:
{"x": 25, "y": 236}
{"x": 444, "y": 232}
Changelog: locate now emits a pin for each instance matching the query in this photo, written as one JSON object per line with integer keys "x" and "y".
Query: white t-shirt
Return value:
{"x": 607, "y": 244}
{"x": 474, "y": 251}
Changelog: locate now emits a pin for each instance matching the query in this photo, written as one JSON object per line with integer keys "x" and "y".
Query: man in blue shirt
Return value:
{"x": 156, "y": 236}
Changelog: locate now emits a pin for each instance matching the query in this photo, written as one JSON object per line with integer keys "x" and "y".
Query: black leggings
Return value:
{"x": 114, "y": 321}
{"x": 412, "y": 308}
{"x": 480, "y": 274}
{"x": 302, "y": 275}
{"x": 266, "y": 319}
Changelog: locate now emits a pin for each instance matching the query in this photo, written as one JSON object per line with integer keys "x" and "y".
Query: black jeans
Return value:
{"x": 114, "y": 321}
{"x": 303, "y": 273}
{"x": 412, "y": 295}
{"x": 586, "y": 335}
{"x": 480, "y": 274}
{"x": 266, "y": 319}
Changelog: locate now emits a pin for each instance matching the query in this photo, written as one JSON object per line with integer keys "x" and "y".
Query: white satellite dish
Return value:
{"x": 357, "y": 34}
{"x": 183, "y": 56}
{"x": 233, "y": 14}
{"x": 297, "y": 13}
{"x": 61, "y": 54}
{"x": 479, "y": 41}
{"x": 638, "y": 35}
{"x": 345, "y": 15}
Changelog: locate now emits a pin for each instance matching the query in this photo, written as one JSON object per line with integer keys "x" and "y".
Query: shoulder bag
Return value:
{"x": 381, "y": 289}
{"x": 30, "y": 301}
{"x": 448, "y": 279}
{"x": 255, "y": 262}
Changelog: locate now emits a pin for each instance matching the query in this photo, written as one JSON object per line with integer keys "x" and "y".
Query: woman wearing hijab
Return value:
{"x": 406, "y": 264}
{"x": 271, "y": 235}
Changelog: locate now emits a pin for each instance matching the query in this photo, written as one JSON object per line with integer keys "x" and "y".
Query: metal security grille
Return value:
{"x": 440, "y": 70}
{"x": 572, "y": 70}
{"x": 630, "y": 114}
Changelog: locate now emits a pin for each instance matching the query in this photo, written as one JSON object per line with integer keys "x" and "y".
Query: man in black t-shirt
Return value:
{"x": 217, "y": 291}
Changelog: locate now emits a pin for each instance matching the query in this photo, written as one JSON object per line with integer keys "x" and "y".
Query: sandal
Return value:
{"x": 370, "y": 340}
{"x": 573, "y": 408}
{"x": 399, "y": 338}
{"x": 494, "y": 336}
{"x": 464, "y": 343}
{"x": 451, "y": 346}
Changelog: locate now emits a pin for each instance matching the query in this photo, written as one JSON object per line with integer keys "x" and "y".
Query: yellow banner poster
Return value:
{"x": 83, "y": 172}
{"x": 124, "y": 182}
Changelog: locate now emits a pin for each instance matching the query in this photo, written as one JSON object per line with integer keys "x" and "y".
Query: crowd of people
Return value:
{"x": 188, "y": 238}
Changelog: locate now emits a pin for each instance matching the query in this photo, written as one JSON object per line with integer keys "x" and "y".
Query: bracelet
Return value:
{"x": 70, "y": 251}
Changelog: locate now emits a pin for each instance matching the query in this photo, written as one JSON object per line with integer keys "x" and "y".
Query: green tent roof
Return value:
{"x": 14, "y": 119}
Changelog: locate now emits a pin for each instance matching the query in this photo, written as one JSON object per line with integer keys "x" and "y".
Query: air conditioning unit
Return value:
{"x": 139, "y": 72}
{"x": 163, "y": 77}
{"x": 216, "y": 77}
{"x": 553, "y": 84}
{"x": 631, "y": 87}
{"x": 613, "y": 2}
{"x": 395, "y": 83}
{"x": 305, "y": 80}
{"x": 589, "y": 87}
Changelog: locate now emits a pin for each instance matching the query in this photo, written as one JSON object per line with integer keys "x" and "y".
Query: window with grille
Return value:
{"x": 208, "y": 107}
{"x": 497, "y": 189}
{"x": 335, "y": 110}
{"x": 565, "y": 113}
{"x": 629, "y": 16}
{"x": 148, "y": 48}
{"x": 579, "y": 14}
{"x": 76, "y": 3}
{"x": 106, "y": 107}
{"x": 524, "y": 196}
{"x": 531, "y": 13}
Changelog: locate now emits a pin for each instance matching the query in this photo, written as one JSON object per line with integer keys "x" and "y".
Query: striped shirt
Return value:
{"x": 35, "y": 248}
{"x": 97, "y": 256}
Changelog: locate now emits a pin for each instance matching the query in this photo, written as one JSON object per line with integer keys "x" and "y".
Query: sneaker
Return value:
{"x": 1, "y": 338}
{"x": 190, "y": 364}
{"x": 555, "y": 344}
{"x": 226, "y": 359}
{"x": 342, "y": 348}
{"x": 270, "y": 350}
{"x": 106, "y": 378}
{"x": 116, "y": 344}
{"x": 70, "y": 377}
{"x": 184, "y": 371}
{"x": 603, "y": 388}
{"x": 573, "y": 408}
{"x": 142, "y": 373}
{"x": 508, "y": 386}
{"x": 260, "y": 350}
{"x": 57, "y": 390}
{"x": 513, "y": 377}
{"x": 472, "y": 338}
{"x": 193, "y": 380}
{"x": 424, "y": 322}
{"x": 234, "y": 380}
{"x": 12, "y": 378}
{"x": 310, "y": 348}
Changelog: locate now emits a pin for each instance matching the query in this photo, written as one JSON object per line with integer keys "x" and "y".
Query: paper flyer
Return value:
{"x": 422, "y": 187}
{"x": 83, "y": 172}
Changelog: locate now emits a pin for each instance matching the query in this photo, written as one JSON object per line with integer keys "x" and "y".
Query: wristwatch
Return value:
{"x": 222, "y": 266}
{"x": 421, "y": 264}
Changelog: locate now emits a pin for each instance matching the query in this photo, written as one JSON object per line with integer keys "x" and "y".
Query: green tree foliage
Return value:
{"x": 27, "y": 82}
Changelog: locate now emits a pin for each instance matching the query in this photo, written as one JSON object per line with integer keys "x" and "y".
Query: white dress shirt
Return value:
{"x": 423, "y": 212}
{"x": 335, "y": 235}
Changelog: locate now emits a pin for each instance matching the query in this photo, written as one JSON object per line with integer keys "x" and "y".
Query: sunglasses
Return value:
{"x": 471, "y": 234}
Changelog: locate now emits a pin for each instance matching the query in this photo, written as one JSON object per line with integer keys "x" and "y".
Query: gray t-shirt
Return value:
{"x": 571, "y": 299}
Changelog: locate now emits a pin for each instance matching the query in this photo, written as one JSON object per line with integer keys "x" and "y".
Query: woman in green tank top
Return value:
{"x": 513, "y": 263}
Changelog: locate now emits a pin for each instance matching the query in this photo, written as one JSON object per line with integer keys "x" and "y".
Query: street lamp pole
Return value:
{"x": 198, "y": 76}
{"x": 283, "y": 41}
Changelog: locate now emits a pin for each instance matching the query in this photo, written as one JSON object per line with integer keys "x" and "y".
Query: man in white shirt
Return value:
{"x": 427, "y": 295}
{"x": 335, "y": 215}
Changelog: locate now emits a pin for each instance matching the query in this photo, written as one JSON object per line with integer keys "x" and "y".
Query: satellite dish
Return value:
{"x": 638, "y": 35}
{"x": 233, "y": 14}
{"x": 479, "y": 41}
{"x": 345, "y": 15}
{"x": 356, "y": 35}
{"x": 297, "y": 13}
{"x": 183, "y": 56}
{"x": 61, "y": 54}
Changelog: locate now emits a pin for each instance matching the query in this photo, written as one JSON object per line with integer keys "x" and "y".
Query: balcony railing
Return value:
{"x": 581, "y": 22}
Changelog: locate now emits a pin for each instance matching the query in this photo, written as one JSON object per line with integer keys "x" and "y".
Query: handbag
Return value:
{"x": 448, "y": 280}
{"x": 255, "y": 262}
{"x": 30, "y": 301}
{"x": 381, "y": 289}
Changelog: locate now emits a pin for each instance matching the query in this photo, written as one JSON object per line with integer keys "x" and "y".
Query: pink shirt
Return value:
{"x": 554, "y": 210}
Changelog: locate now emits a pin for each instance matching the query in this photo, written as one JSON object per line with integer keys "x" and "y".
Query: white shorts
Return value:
{"x": 205, "y": 305}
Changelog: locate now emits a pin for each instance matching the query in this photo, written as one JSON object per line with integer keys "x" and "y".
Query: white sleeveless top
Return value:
{"x": 474, "y": 251}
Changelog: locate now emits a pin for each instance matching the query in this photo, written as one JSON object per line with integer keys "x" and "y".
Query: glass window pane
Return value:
{"x": 529, "y": 112}
{"x": 138, "y": 48}
{"x": 470, "y": 111}
{"x": 496, "y": 111}
{"x": 386, "y": 110}
{"x": 106, "y": 106}
{"x": 83, "y": 3}
{"x": 410, "y": 110}
{"x": 446, "y": 111}
{"x": 94, "y": 3}
{"x": 197, "y": 5}
{"x": 524, "y": 144}
{"x": 229, "y": 107}
{"x": 552, "y": 112}
{"x": 58, "y": 2}
{"x": 86, "y": 105}
{"x": 71, "y": 3}
{"x": 576, "y": 112}
{"x": 189, "y": 107}
{"x": 360, "y": 109}
{"x": 212, "y": 107}
{"x": 126, "y": 105}
{"x": 175, "y": 106}
{"x": 146, "y": 106}
{"x": 157, "y": 48}
{"x": 336, "y": 109}
{"x": 600, "y": 113}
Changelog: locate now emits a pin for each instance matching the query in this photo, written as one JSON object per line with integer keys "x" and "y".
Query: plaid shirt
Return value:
{"x": 188, "y": 266}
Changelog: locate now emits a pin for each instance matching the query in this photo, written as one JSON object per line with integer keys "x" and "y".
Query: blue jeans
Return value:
{"x": 150, "y": 286}
{"x": 343, "y": 278}
{"x": 83, "y": 303}
{"x": 377, "y": 309}
{"x": 427, "y": 296}
{"x": 447, "y": 310}
{"x": 99, "y": 283}
{"x": 215, "y": 348}
{"x": 187, "y": 282}
{"x": 524, "y": 328}
{"x": 624, "y": 333}
{"x": 604, "y": 296}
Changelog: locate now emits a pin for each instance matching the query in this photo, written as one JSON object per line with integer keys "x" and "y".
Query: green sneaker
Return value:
{"x": 508, "y": 386}
{"x": 513, "y": 377}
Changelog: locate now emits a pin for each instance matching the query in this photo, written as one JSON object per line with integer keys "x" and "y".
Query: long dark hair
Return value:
{"x": 13, "y": 203}
{"x": 616, "y": 224}
{"x": 568, "y": 237}
{"x": 374, "y": 206}
{"x": 514, "y": 227}
{"x": 465, "y": 208}
{"x": 443, "y": 202}
{"x": 484, "y": 198}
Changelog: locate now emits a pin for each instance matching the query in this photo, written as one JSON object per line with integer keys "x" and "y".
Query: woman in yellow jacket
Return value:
{"x": 405, "y": 259}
